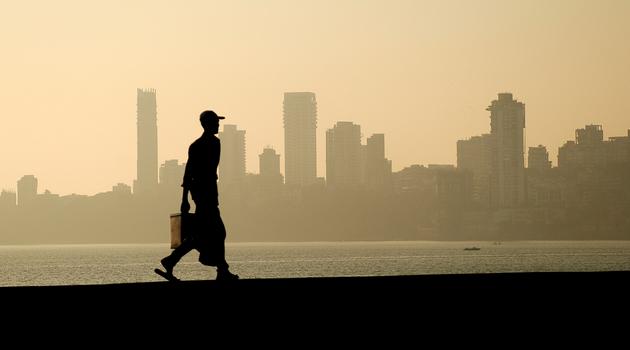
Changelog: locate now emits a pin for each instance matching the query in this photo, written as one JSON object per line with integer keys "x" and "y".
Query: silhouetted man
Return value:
{"x": 200, "y": 179}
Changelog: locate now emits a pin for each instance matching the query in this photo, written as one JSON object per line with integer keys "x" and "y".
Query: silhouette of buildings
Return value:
{"x": 545, "y": 186}
{"x": 300, "y": 152}
{"x": 475, "y": 155}
{"x": 343, "y": 155}
{"x": 47, "y": 198}
{"x": 378, "y": 169}
{"x": 232, "y": 164}
{"x": 8, "y": 199}
{"x": 171, "y": 178}
{"x": 269, "y": 163}
{"x": 589, "y": 150}
{"x": 270, "y": 181}
{"x": 586, "y": 197}
{"x": 619, "y": 149}
{"x": 507, "y": 124}
{"x": 447, "y": 167}
{"x": 172, "y": 173}
{"x": 27, "y": 190}
{"x": 538, "y": 158}
{"x": 453, "y": 186}
{"x": 590, "y": 135}
{"x": 413, "y": 179}
{"x": 122, "y": 189}
{"x": 147, "y": 176}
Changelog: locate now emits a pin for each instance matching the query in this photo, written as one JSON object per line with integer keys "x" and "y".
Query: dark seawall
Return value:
{"x": 390, "y": 294}
{"x": 357, "y": 311}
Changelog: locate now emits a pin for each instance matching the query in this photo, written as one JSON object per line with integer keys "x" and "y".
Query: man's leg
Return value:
{"x": 212, "y": 247}
{"x": 223, "y": 272}
{"x": 176, "y": 255}
{"x": 208, "y": 208}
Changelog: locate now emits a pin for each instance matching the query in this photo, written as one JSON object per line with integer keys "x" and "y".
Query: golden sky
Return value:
{"x": 422, "y": 72}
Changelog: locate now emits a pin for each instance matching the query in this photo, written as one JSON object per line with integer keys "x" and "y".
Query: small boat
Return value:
{"x": 472, "y": 248}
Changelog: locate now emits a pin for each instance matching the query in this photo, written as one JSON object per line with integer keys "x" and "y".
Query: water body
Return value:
{"x": 104, "y": 264}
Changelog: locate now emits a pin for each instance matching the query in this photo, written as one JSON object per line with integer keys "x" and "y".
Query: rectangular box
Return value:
{"x": 182, "y": 226}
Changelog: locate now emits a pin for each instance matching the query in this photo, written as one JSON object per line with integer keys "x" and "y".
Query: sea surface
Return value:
{"x": 105, "y": 264}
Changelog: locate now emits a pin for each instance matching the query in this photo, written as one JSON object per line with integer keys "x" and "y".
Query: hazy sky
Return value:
{"x": 422, "y": 72}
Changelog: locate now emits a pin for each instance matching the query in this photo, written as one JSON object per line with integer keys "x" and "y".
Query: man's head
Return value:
{"x": 210, "y": 121}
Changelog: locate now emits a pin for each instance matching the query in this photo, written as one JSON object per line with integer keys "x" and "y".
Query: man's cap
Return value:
{"x": 209, "y": 115}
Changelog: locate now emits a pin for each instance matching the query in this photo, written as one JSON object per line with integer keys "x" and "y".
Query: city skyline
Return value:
{"x": 479, "y": 161}
{"x": 420, "y": 72}
{"x": 350, "y": 162}
{"x": 490, "y": 194}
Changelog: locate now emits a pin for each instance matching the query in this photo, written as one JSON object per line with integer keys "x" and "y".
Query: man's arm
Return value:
{"x": 185, "y": 207}
{"x": 188, "y": 171}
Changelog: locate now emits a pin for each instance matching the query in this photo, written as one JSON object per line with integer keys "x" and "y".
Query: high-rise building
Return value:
{"x": 269, "y": 162}
{"x": 300, "y": 124}
{"x": 270, "y": 178}
{"x": 232, "y": 164}
{"x": 507, "y": 124}
{"x": 538, "y": 158}
{"x": 147, "y": 167}
{"x": 343, "y": 155}
{"x": 588, "y": 150}
{"x": 475, "y": 155}
{"x": 27, "y": 190}
{"x": 378, "y": 169}
{"x": 171, "y": 179}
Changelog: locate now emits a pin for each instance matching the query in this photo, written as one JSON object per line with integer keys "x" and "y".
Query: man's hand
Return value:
{"x": 185, "y": 208}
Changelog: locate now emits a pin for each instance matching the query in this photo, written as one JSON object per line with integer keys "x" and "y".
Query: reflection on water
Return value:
{"x": 94, "y": 264}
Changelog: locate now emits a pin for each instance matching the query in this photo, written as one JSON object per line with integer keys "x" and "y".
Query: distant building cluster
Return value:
{"x": 489, "y": 189}
{"x": 589, "y": 150}
{"x": 350, "y": 163}
{"x": 490, "y": 169}
{"x": 500, "y": 179}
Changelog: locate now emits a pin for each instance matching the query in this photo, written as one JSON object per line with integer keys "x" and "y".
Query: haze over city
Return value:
{"x": 421, "y": 72}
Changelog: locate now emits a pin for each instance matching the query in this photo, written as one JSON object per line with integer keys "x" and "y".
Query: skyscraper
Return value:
{"x": 232, "y": 164}
{"x": 147, "y": 167}
{"x": 269, "y": 162}
{"x": 27, "y": 190}
{"x": 343, "y": 155}
{"x": 538, "y": 158}
{"x": 507, "y": 124}
{"x": 300, "y": 124}
{"x": 475, "y": 155}
{"x": 270, "y": 177}
{"x": 378, "y": 169}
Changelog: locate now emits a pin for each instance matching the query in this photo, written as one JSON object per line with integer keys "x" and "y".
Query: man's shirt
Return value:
{"x": 203, "y": 161}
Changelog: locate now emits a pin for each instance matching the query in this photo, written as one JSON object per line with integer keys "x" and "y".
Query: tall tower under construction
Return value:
{"x": 147, "y": 167}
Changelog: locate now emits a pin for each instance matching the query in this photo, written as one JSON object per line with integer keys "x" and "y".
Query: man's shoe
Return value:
{"x": 226, "y": 276}
{"x": 167, "y": 265}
